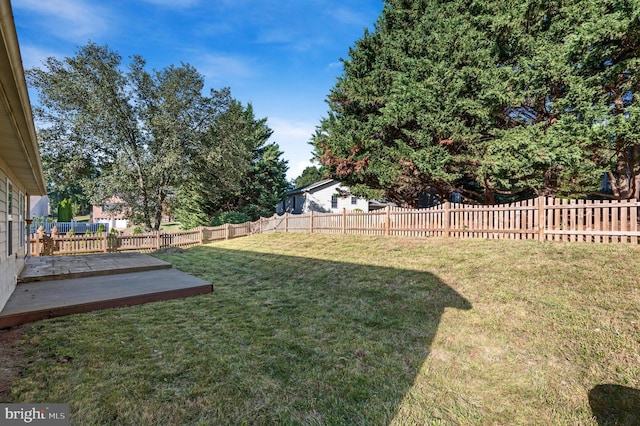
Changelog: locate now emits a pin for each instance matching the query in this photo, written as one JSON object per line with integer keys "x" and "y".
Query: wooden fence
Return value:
{"x": 57, "y": 244}
{"x": 42, "y": 243}
{"x": 540, "y": 219}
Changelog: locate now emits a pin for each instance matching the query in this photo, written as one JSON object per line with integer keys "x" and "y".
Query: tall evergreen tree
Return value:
{"x": 411, "y": 101}
{"x": 265, "y": 184}
{"x": 487, "y": 99}
{"x": 257, "y": 183}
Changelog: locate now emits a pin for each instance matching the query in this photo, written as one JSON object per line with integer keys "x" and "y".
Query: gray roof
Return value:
{"x": 310, "y": 187}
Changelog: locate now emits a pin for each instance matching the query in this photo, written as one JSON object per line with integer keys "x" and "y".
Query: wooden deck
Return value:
{"x": 55, "y": 286}
{"x": 46, "y": 268}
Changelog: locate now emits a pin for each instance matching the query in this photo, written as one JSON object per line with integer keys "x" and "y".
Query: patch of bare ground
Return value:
{"x": 11, "y": 351}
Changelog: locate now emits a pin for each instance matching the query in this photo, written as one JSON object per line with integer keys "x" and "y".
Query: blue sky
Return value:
{"x": 283, "y": 56}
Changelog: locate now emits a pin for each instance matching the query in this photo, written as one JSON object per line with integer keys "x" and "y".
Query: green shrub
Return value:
{"x": 65, "y": 211}
{"x": 100, "y": 228}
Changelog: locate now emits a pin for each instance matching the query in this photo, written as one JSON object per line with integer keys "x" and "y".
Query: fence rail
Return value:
{"x": 540, "y": 219}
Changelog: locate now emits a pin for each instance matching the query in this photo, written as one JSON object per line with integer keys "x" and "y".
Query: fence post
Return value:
{"x": 311, "y": 223}
{"x": 447, "y": 226}
{"x": 286, "y": 222}
{"x": 226, "y": 231}
{"x": 40, "y": 241}
{"x": 54, "y": 237}
{"x": 105, "y": 242}
{"x": 157, "y": 239}
{"x": 541, "y": 217}
{"x": 344, "y": 220}
{"x": 387, "y": 221}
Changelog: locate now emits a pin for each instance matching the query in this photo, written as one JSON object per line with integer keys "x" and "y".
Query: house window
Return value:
{"x": 354, "y": 200}
{"x": 334, "y": 201}
{"x": 9, "y": 218}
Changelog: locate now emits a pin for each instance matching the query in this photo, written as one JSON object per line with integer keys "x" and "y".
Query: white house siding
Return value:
{"x": 317, "y": 197}
{"x": 346, "y": 203}
{"x": 319, "y": 200}
{"x": 10, "y": 265}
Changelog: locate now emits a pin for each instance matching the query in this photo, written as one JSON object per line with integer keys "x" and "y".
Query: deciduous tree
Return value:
{"x": 138, "y": 129}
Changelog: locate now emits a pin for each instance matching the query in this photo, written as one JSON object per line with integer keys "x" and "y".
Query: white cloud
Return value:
{"x": 296, "y": 169}
{"x": 223, "y": 69}
{"x": 292, "y": 137}
{"x": 33, "y": 57}
{"x": 292, "y": 131}
{"x": 69, "y": 19}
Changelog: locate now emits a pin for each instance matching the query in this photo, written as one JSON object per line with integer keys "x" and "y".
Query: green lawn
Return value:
{"x": 349, "y": 330}
{"x": 170, "y": 226}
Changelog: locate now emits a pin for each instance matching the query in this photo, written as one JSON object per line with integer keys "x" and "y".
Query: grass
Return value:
{"x": 348, "y": 330}
{"x": 170, "y": 226}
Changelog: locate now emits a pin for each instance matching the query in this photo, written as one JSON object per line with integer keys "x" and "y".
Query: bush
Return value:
{"x": 65, "y": 212}
{"x": 100, "y": 228}
{"x": 230, "y": 217}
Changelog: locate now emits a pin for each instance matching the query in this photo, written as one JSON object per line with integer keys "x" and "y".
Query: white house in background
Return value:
{"x": 325, "y": 196}
{"x": 39, "y": 206}
{"x": 20, "y": 166}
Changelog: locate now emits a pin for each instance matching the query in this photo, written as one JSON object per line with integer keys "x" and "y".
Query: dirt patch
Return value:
{"x": 11, "y": 357}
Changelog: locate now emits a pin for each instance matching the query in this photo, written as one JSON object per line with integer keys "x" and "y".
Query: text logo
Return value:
{"x": 34, "y": 414}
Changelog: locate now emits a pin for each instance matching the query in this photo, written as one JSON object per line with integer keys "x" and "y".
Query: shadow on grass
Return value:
{"x": 615, "y": 404}
{"x": 330, "y": 342}
{"x": 281, "y": 340}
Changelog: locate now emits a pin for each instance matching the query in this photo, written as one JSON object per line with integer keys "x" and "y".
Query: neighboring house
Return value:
{"x": 325, "y": 196}
{"x": 113, "y": 212}
{"x": 20, "y": 166}
{"x": 39, "y": 206}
